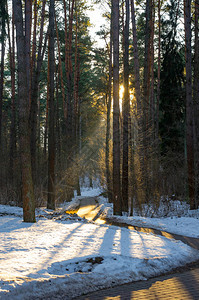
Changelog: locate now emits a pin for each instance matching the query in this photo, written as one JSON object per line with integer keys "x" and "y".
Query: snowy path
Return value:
{"x": 90, "y": 210}
{"x": 61, "y": 256}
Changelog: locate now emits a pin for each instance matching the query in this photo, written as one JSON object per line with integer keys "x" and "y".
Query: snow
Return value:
{"x": 65, "y": 255}
{"x": 179, "y": 219}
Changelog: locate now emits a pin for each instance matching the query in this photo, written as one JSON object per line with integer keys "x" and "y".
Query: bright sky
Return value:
{"x": 97, "y": 20}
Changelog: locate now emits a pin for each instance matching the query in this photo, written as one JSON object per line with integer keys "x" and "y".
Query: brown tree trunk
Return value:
{"x": 51, "y": 134}
{"x": 69, "y": 80}
{"x": 36, "y": 69}
{"x": 108, "y": 175}
{"x": 146, "y": 99}
{"x": 136, "y": 62}
{"x": 66, "y": 50}
{"x": 152, "y": 100}
{"x": 189, "y": 104}
{"x": 2, "y": 66}
{"x": 196, "y": 98}
{"x": 76, "y": 82}
{"x": 57, "y": 126}
{"x": 76, "y": 108}
{"x": 147, "y": 64}
{"x": 125, "y": 113}
{"x": 13, "y": 109}
{"x": 34, "y": 40}
{"x": 159, "y": 66}
{"x": 138, "y": 127}
{"x": 60, "y": 65}
{"x": 24, "y": 132}
{"x": 47, "y": 111}
{"x": 28, "y": 25}
{"x": 117, "y": 207}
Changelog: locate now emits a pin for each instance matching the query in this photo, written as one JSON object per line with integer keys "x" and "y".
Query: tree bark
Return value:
{"x": 36, "y": 69}
{"x": 28, "y": 25}
{"x": 60, "y": 65}
{"x": 117, "y": 207}
{"x": 2, "y": 66}
{"x": 189, "y": 104}
{"x": 108, "y": 175}
{"x": 13, "y": 108}
{"x": 125, "y": 113}
{"x": 146, "y": 98}
{"x": 24, "y": 130}
{"x": 196, "y": 98}
{"x": 138, "y": 127}
{"x": 159, "y": 66}
{"x": 51, "y": 134}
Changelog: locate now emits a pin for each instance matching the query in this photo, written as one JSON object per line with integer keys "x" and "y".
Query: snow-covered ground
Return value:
{"x": 179, "y": 219}
{"x": 64, "y": 254}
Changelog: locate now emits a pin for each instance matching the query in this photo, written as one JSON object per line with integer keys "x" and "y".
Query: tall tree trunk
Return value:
{"x": 147, "y": 63}
{"x": 159, "y": 66}
{"x": 108, "y": 125}
{"x": 69, "y": 80}
{"x": 13, "y": 109}
{"x": 76, "y": 81}
{"x": 47, "y": 111}
{"x": 146, "y": 97}
{"x": 196, "y": 98}
{"x": 51, "y": 134}
{"x": 57, "y": 126}
{"x": 139, "y": 153}
{"x": 152, "y": 100}
{"x": 76, "y": 108}
{"x": 34, "y": 39}
{"x": 36, "y": 69}
{"x": 189, "y": 104}
{"x": 60, "y": 65}
{"x": 117, "y": 208}
{"x": 2, "y": 66}
{"x": 108, "y": 120}
{"x": 24, "y": 132}
{"x": 28, "y": 25}
{"x": 125, "y": 112}
{"x": 66, "y": 52}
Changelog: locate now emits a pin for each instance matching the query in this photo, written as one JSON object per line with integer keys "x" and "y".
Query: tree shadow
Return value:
{"x": 12, "y": 223}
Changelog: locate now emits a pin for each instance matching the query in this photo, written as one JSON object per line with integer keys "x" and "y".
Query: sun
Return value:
{"x": 121, "y": 95}
{"x": 121, "y": 91}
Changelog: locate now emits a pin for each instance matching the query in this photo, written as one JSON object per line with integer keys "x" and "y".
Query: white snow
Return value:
{"x": 68, "y": 256}
{"x": 179, "y": 219}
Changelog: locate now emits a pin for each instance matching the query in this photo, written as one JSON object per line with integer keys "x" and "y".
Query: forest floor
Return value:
{"x": 64, "y": 253}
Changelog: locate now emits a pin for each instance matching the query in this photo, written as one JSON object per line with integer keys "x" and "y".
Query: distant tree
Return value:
{"x": 172, "y": 104}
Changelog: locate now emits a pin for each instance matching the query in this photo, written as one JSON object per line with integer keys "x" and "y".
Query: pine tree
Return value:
{"x": 24, "y": 129}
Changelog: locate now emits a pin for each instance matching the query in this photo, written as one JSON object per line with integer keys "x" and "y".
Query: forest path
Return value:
{"x": 181, "y": 284}
{"x": 89, "y": 209}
